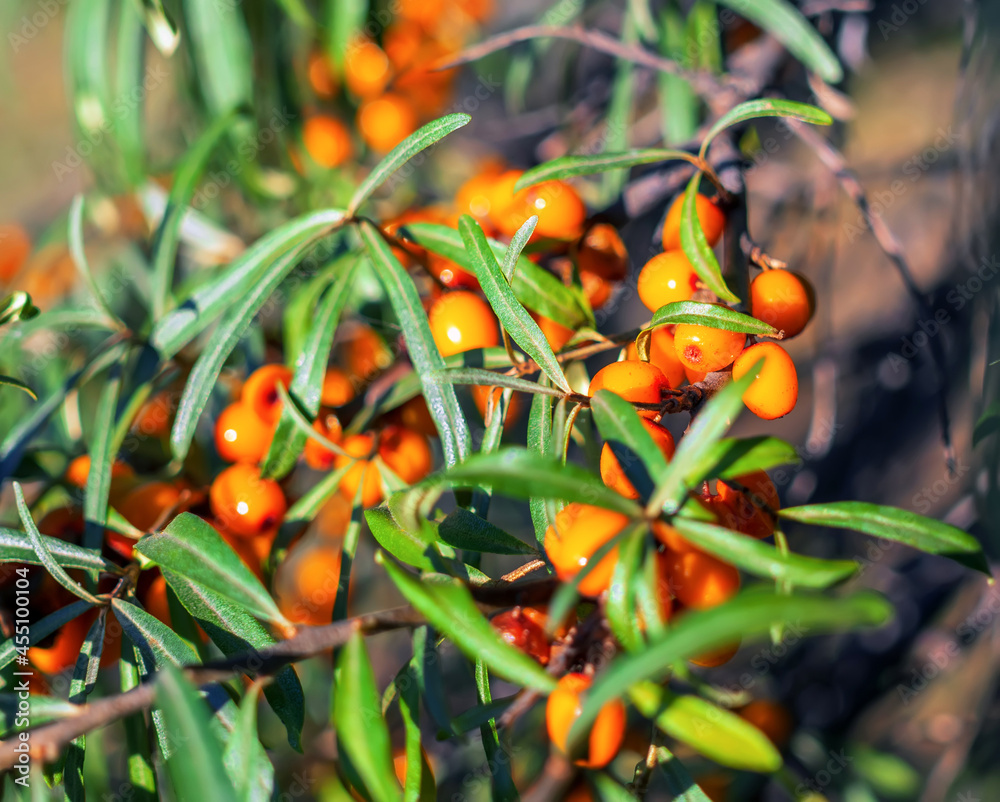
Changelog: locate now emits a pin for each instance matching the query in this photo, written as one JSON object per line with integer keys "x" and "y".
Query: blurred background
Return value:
{"x": 907, "y": 712}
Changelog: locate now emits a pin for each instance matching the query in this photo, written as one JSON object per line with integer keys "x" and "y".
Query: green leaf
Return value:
{"x": 140, "y": 764}
{"x": 465, "y": 530}
{"x": 197, "y": 771}
{"x": 449, "y": 607}
{"x": 205, "y": 374}
{"x": 10, "y": 381}
{"x": 307, "y": 382}
{"x": 533, "y": 285}
{"x": 713, "y": 731}
{"x": 988, "y": 423}
{"x": 441, "y": 400}
{"x": 247, "y": 764}
{"x": 130, "y": 72}
{"x": 679, "y": 782}
{"x": 16, "y": 547}
{"x": 82, "y": 683}
{"x": 419, "y": 140}
{"x": 223, "y": 54}
{"x": 362, "y": 734}
{"x": 712, "y": 315}
{"x": 344, "y": 21}
{"x": 678, "y": 102}
{"x": 17, "y": 307}
{"x": 502, "y": 783}
{"x": 486, "y": 378}
{"x": 513, "y": 317}
{"x": 480, "y": 714}
{"x": 57, "y": 572}
{"x": 540, "y": 443}
{"x": 762, "y": 559}
{"x": 783, "y": 21}
{"x": 747, "y": 616}
{"x": 158, "y": 644}
{"x": 617, "y": 119}
{"x": 75, "y": 238}
{"x": 620, "y": 604}
{"x": 888, "y": 774}
{"x": 161, "y": 28}
{"x": 767, "y": 107}
{"x": 167, "y": 237}
{"x": 194, "y": 314}
{"x": 516, "y": 247}
{"x": 901, "y": 526}
{"x": 236, "y": 632}
{"x": 42, "y": 629}
{"x": 190, "y": 547}
{"x": 102, "y": 456}
{"x": 87, "y": 68}
{"x": 696, "y": 247}
{"x": 618, "y": 422}
{"x": 570, "y": 166}
{"x": 412, "y": 546}
{"x": 737, "y": 456}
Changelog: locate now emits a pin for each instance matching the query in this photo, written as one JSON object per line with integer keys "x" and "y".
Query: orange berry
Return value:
{"x": 78, "y": 471}
{"x": 144, "y": 506}
{"x": 360, "y": 447}
{"x": 155, "y": 600}
{"x": 710, "y": 216}
{"x": 486, "y": 398}
{"x": 612, "y": 473}
{"x": 321, "y": 75}
{"x": 64, "y": 649}
{"x": 633, "y": 380}
{"x": 424, "y": 13}
{"x": 775, "y": 387}
{"x": 523, "y": 633}
{"x": 561, "y": 213}
{"x": 782, "y": 299}
{"x": 462, "y": 321}
{"x": 579, "y": 531}
{"x": 260, "y": 391}
{"x": 540, "y": 617}
{"x": 563, "y": 709}
{"x": 366, "y": 69}
{"x": 701, "y": 581}
{"x": 671, "y": 538}
{"x": 666, "y": 278}
{"x": 476, "y": 197}
{"x": 245, "y": 503}
{"x": 556, "y": 333}
{"x": 15, "y": 247}
{"x": 333, "y": 518}
{"x": 402, "y": 44}
{"x": 662, "y": 355}
{"x": 386, "y": 121}
{"x": 153, "y": 417}
{"x": 770, "y": 718}
{"x": 445, "y": 270}
{"x": 65, "y": 523}
{"x": 498, "y": 197}
{"x": 327, "y": 140}
{"x": 337, "y": 388}
{"x": 316, "y": 455}
{"x": 245, "y": 548}
{"x": 751, "y": 511}
{"x": 693, "y": 376}
{"x": 306, "y": 583}
{"x": 415, "y": 415}
{"x": 716, "y": 657}
{"x": 406, "y": 453}
{"x": 596, "y": 289}
{"x": 602, "y": 252}
{"x": 704, "y": 349}
{"x": 241, "y": 435}
{"x": 364, "y": 353}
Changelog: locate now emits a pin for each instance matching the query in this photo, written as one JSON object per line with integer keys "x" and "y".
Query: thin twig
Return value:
{"x": 759, "y": 256}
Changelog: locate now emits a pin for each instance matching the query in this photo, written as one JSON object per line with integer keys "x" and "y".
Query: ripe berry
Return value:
{"x": 556, "y": 333}
{"x": 462, "y": 321}
{"x": 366, "y": 69}
{"x": 327, "y": 140}
{"x": 770, "y": 718}
{"x": 612, "y": 473}
{"x": 386, "y": 121}
{"x": 782, "y": 299}
{"x": 260, "y": 391}
{"x": 64, "y": 649}
{"x": 146, "y": 505}
{"x": 316, "y": 455}
{"x": 337, "y": 388}
{"x": 523, "y": 634}
{"x": 241, "y": 435}
{"x": 597, "y": 290}
{"x": 321, "y": 75}
{"x": 306, "y": 583}
{"x": 245, "y": 503}
{"x": 705, "y": 349}
{"x": 360, "y": 447}
{"x": 579, "y": 531}
{"x": 563, "y": 709}
{"x": 701, "y": 581}
{"x": 155, "y": 600}
{"x": 364, "y": 353}
{"x": 602, "y": 252}
{"x": 16, "y": 246}
{"x": 662, "y": 355}
{"x": 477, "y": 196}
{"x": 154, "y": 416}
{"x": 406, "y": 453}
{"x": 78, "y": 471}
{"x": 775, "y": 387}
{"x": 666, "y": 278}
{"x": 633, "y": 380}
{"x": 415, "y": 415}
{"x": 710, "y": 216}
{"x": 751, "y": 511}
{"x": 561, "y": 213}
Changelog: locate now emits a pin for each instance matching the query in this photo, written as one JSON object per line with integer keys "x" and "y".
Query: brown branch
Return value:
{"x": 759, "y": 256}
{"x": 704, "y": 83}
{"x": 835, "y": 162}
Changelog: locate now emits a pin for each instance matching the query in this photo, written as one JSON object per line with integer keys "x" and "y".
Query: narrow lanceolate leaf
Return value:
{"x": 247, "y": 764}
{"x": 224, "y": 339}
{"x": 10, "y": 381}
{"x": 44, "y": 556}
{"x": 192, "y": 548}
{"x": 696, "y": 247}
{"x": 307, "y": 381}
{"x": 344, "y": 21}
{"x": 186, "y": 176}
{"x": 75, "y": 241}
{"x": 693, "y": 459}
{"x": 713, "y": 731}
{"x": 534, "y": 286}
{"x": 80, "y": 686}
{"x": 731, "y": 456}
{"x": 517, "y": 243}
{"x": 486, "y": 378}
{"x": 419, "y": 140}
{"x": 16, "y": 547}
{"x": 767, "y": 107}
{"x": 158, "y": 644}
{"x": 43, "y": 628}
{"x": 102, "y": 456}
{"x": 619, "y": 423}
{"x": 441, "y": 400}
{"x": 539, "y": 444}
{"x": 223, "y": 54}
{"x": 235, "y": 631}
{"x": 762, "y": 559}
{"x": 414, "y": 546}
{"x": 197, "y": 771}
{"x": 513, "y": 317}
{"x": 87, "y": 67}
{"x": 504, "y": 789}
{"x": 617, "y": 122}
{"x": 621, "y": 598}
{"x": 891, "y": 523}
{"x": 747, "y": 616}
{"x": 783, "y": 21}
{"x": 570, "y": 166}
{"x": 678, "y": 102}
{"x": 130, "y": 72}
{"x": 449, "y": 607}
{"x": 161, "y": 28}
{"x": 465, "y": 530}
{"x": 712, "y": 315}
{"x": 195, "y": 313}
{"x": 362, "y": 734}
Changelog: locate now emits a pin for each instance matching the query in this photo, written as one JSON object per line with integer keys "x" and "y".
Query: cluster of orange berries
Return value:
{"x": 393, "y": 82}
